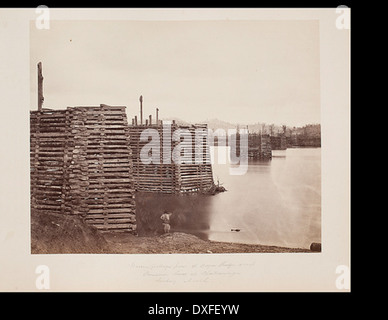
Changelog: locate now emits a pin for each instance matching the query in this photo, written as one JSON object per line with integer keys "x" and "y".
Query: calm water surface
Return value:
{"x": 277, "y": 202}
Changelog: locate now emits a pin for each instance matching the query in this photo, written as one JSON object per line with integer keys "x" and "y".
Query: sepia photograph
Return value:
{"x": 161, "y": 137}
{"x": 175, "y": 137}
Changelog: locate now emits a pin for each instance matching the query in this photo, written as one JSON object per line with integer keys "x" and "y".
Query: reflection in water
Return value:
{"x": 276, "y": 202}
{"x": 190, "y": 213}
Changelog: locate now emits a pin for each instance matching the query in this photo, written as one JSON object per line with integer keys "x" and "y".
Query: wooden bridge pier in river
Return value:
{"x": 259, "y": 145}
{"x": 81, "y": 165}
{"x": 192, "y": 174}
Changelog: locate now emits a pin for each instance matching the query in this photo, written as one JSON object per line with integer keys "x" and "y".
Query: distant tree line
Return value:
{"x": 282, "y": 136}
{"x": 285, "y": 136}
{"x": 306, "y": 136}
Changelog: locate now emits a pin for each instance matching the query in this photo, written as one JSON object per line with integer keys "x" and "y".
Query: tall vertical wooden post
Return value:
{"x": 40, "y": 87}
{"x": 141, "y": 109}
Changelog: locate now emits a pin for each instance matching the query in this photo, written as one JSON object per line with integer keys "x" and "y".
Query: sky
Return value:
{"x": 236, "y": 71}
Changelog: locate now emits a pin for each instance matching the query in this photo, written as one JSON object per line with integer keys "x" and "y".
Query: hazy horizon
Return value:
{"x": 235, "y": 71}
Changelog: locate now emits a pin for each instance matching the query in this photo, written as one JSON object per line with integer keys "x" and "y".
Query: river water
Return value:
{"x": 276, "y": 202}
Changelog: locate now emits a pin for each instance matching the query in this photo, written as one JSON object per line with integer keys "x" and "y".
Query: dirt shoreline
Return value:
{"x": 60, "y": 234}
{"x": 178, "y": 242}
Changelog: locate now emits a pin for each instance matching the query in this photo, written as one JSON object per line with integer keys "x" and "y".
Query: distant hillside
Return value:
{"x": 177, "y": 120}
{"x": 252, "y": 127}
{"x": 215, "y": 124}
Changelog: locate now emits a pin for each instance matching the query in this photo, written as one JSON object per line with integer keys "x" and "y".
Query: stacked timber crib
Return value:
{"x": 194, "y": 172}
{"x": 81, "y": 165}
{"x": 259, "y": 146}
{"x": 279, "y": 142}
